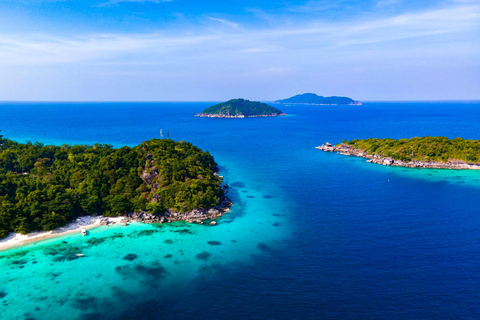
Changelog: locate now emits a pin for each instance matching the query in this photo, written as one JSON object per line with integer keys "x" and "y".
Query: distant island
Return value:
{"x": 45, "y": 187}
{"x": 240, "y": 108}
{"x": 312, "y": 98}
{"x": 425, "y": 152}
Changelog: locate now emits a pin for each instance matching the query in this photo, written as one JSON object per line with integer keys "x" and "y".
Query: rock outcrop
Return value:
{"x": 349, "y": 150}
{"x": 194, "y": 216}
{"x": 149, "y": 174}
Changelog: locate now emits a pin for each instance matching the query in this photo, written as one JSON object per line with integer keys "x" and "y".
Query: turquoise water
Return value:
{"x": 312, "y": 234}
{"x": 168, "y": 258}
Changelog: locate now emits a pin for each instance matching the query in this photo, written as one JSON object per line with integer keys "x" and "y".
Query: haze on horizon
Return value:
{"x": 183, "y": 50}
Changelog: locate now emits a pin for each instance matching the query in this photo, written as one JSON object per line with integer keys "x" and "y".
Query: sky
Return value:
{"x": 203, "y": 50}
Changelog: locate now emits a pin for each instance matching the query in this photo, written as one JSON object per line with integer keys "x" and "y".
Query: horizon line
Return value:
{"x": 195, "y": 101}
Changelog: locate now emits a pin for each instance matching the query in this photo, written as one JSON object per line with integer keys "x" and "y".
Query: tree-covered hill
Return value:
{"x": 240, "y": 108}
{"x": 44, "y": 187}
{"x": 312, "y": 98}
{"x": 440, "y": 149}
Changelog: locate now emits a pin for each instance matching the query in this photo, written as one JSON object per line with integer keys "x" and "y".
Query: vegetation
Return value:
{"x": 44, "y": 187}
{"x": 440, "y": 149}
{"x": 241, "y": 107}
{"x": 312, "y": 98}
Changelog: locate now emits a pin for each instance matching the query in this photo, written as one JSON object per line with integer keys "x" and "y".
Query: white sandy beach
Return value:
{"x": 88, "y": 222}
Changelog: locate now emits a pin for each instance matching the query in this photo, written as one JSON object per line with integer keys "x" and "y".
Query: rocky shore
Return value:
{"x": 89, "y": 222}
{"x": 356, "y": 103}
{"x": 227, "y": 116}
{"x": 149, "y": 174}
{"x": 349, "y": 150}
{"x": 194, "y": 216}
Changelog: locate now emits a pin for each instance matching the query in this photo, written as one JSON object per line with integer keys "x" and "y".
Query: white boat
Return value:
{"x": 84, "y": 232}
{"x": 80, "y": 254}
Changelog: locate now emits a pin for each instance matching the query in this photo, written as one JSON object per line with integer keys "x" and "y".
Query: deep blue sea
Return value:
{"x": 312, "y": 235}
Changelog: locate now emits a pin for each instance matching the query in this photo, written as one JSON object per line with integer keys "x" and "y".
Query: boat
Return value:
{"x": 80, "y": 255}
{"x": 84, "y": 232}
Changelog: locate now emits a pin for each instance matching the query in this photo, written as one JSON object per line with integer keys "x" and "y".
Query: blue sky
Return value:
{"x": 182, "y": 50}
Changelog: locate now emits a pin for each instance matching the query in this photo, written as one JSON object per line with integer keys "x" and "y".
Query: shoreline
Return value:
{"x": 356, "y": 103}
{"x": 348, "y": 150}
{"x": 206, "y": 115}
{"x": 15, "y": 239}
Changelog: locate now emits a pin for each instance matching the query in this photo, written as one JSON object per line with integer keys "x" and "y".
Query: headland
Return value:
{"x": 426, "y": 152}
{"x": 50, "y": 187}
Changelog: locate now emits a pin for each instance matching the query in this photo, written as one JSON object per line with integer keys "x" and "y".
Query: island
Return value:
{"x": 417, "y": 152}
{"x": 240, "y": 108}
{"x": 313, "y": 99}
{"x": 43, "y": 187}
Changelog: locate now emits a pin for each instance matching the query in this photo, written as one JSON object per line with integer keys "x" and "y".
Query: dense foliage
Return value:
{"x": 44, "y": 187}
{"x": 312, "y": 98}
{"x": 243, "y": 107}
{"x": 439, "y": 149}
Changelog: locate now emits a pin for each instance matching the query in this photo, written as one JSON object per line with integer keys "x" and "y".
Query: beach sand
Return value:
{"x": 88, "y": 222}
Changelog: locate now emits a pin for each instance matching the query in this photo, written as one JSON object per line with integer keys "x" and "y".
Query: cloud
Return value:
{"x": 280, "y": 44}
{"x": 43, "y": 49}
{"x": 466, "y": 1}
{"x": 386, "y": 3}
{"x": 404, "y": 26}
{"x": 114, "y": 2}
{"x": 225, "y": 22}
{"x": 430, "y": 52}
{"x": 256, "y": 50}
{"x": 319, "y": 5}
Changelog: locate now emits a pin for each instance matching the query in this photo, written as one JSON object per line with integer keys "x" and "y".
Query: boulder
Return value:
{"x": 148, "y": 177}
{"x": 388, "y": 161}
{"x": 212, "y": 211}
{"x": 104, "y": 221}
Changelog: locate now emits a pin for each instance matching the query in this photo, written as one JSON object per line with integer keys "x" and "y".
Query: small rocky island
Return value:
{"x": 313, "y": 99}
{"x": 240, "y": 108}
{"x": 425, "y": 152}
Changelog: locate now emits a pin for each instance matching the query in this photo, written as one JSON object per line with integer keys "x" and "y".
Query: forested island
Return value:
{"x": 312, "y": 98}
{"x": 44, "y": 187}
{"x": 424, "y": 152}
{"x": 240, "y": 108}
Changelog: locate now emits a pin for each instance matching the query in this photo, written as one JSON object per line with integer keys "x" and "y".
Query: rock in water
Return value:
{"x": 130, "y": 257}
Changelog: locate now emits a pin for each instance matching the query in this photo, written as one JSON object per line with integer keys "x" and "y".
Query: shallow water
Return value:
{"x": 311, "y": 235}
{"x": 138, "y": 260}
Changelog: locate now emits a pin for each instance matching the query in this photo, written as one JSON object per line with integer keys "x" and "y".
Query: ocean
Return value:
{"x": 312, "y": 235}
